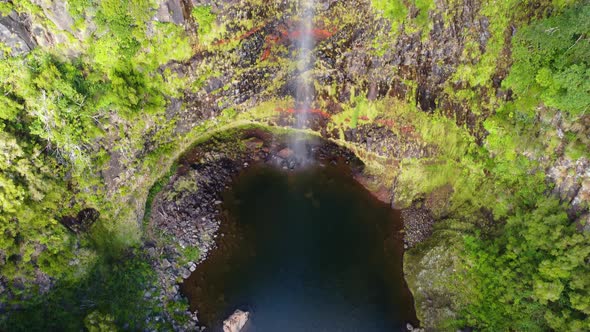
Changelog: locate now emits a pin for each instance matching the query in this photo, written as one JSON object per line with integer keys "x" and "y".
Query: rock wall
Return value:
{"x": 15, "y": 33}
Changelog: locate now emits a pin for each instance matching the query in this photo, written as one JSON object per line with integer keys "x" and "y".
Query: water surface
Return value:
{"x": 304, "y": 251}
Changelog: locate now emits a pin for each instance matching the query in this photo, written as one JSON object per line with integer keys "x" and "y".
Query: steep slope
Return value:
{"x": 470, "y": 115}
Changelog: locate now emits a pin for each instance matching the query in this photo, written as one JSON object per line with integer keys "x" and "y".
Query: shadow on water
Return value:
{"x": 304, "y": 251}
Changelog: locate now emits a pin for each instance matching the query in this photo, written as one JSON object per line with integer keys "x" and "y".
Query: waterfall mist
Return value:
{"x": 304, "y": 94}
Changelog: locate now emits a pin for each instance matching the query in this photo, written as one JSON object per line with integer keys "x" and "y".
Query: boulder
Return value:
{"x": 285, "y": 153}
{"x": 170, "y": 11}
{"x": 236, "y": 322}
{"x": 57, "y": 12}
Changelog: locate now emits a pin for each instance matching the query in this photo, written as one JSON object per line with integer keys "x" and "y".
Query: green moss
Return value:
{"x": 362, "y": 111}
{"x": 155, "y": 189}
{"x": 189, "y": 254}
{"x": 397, "y": 11}
{"x": 436, "y": 273}
{"x": 205, "y": 19}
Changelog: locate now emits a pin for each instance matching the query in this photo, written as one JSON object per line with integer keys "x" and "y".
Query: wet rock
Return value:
{"x": 185, "y": 273}
{"x": 236, "y": 322}
{"x": 250, "y": 50}
{"x": 418, "y": 224}
{"x": 431, "y": 273}
{"x": 285, "y": 153}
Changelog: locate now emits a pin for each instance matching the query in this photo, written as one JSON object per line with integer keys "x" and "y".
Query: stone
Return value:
{"x": 418, "y": 225}
{"x": 166, "y": 264}
{"x": 185, "y": 273}
{"x": 57, "y": 12}
{"x": 236, "y": 322}
{"x": 13, "y": 32}
{"x": 285, "y": 153}
{"x": 170, "y": 12}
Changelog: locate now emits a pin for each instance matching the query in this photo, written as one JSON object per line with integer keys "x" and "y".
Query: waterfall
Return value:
{"x": 304, "y": 94}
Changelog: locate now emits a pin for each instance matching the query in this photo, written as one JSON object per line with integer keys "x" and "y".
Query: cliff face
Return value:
{"x": 415, "y": 90}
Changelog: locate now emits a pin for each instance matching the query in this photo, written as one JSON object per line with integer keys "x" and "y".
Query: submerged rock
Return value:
{"x": 236, "y": 322}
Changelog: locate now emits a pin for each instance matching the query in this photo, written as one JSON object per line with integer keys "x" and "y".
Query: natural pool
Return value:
{"x": 310, "y": 250}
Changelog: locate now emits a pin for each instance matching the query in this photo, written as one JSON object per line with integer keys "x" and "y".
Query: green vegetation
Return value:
{"x": 520, "y": 262}
{"x": 155, "y": 189}
{"x": 397, "y": 11}
{"x": 83, "y": 124}
{"x": 205, "y": 18}
{"x": 552, "y": 63}
{"x": 532, "y": 276}
{"x": 61, "y": 117}
{"x": 111, "y": 294}
{"x": 190, "y": 254}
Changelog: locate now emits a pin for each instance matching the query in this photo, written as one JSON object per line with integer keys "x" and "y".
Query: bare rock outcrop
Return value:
{"x": 14, "y": 32}
{"x": 236, "y": 322}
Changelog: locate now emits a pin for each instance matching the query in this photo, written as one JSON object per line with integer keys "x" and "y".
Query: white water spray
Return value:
{"x": 304, "y": 94}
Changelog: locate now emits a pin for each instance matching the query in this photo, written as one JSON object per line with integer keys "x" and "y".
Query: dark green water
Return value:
{"x": 305, "y": 251}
